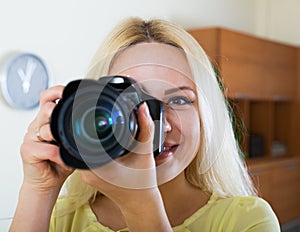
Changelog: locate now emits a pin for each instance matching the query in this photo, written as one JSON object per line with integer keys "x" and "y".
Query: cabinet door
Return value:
{"x": 251, "y": 67}
{"x": 280, "y": 70}
{"x": 286, "y": 191}
{"x": 209, "y": 40}
{"x": 263, "y": 179}
{"x": 241, "y": 63}
{"x": 278, "y": 183}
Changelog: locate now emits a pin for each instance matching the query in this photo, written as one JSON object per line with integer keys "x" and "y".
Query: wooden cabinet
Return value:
{"x": 251, "y": 67}
{"x": 261, "y": 80}
{"x": 278, "y": 183}
{"x": 263, "y": 85}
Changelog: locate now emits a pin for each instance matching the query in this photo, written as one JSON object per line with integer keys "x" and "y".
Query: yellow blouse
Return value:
{"x": 219, "y": 214}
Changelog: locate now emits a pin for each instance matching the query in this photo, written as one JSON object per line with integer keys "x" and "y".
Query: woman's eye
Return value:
{"x": 179, "y": 101}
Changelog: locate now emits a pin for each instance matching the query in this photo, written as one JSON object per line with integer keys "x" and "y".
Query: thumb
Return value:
{"x": 146, "y": 133}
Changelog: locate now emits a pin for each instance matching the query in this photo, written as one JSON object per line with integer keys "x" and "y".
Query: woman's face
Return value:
{"x": 164, "y": 73}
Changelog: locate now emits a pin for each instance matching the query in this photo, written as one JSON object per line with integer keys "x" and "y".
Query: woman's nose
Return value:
{"x": 167, "y": 125}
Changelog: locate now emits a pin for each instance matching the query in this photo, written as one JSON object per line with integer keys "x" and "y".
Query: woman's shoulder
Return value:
{"x": 66, "y": 217}
{"x": 251, "y": 212}
{"x": 244, "y": 203}
{"x": 236, "y": 214}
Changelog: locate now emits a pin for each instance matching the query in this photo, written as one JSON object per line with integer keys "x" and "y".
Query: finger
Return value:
{"x": 45, "y": 133}
{"x": 51, "y": 94}
{"x": 38, "y": 152}
{"x": 146, "y": 125}
{"x": 43, "y": 121}
{"x": 34, "y": 136}
{"x": 45, "y": 112}
{"x": 38, "y": 128}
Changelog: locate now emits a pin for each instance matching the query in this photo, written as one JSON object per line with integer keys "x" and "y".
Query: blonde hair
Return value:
{"x": 218, "y": 167}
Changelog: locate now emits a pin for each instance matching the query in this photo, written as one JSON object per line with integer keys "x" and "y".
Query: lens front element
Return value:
{"x": 103, "y": 123}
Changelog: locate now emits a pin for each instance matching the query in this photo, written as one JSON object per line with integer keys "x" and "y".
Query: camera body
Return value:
{"x": 96, "y": 120}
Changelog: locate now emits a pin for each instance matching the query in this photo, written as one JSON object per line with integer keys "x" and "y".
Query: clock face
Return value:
{"x": 25, "y": 77}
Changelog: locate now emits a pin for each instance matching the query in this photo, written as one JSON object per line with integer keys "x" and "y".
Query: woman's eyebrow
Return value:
{"x": 173, "y": 90}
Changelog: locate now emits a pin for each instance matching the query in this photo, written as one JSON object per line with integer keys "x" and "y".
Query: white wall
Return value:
{"x": 66, "y": 34}
{"x": 278, "y": 20}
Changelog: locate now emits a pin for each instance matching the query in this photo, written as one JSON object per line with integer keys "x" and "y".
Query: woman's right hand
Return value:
{"x": 44, "y": 171}
{"x": 43, "y": 168}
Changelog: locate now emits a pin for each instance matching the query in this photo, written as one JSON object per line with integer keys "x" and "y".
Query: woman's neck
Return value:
{"x": 181, "y": 200}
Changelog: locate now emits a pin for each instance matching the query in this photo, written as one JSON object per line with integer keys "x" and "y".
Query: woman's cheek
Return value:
{"x": 189, "y": 121}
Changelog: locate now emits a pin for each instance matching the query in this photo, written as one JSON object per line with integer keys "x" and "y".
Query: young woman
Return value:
{"x": 198, "y": 182}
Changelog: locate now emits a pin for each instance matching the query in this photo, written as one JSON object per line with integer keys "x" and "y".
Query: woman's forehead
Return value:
{"x": 159, "y": 80}
{"x": 156, "y": 76}
{"x": 155, "y": 54}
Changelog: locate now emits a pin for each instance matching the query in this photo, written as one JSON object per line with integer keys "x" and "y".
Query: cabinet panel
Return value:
{"x": 243, "y": 80}
{"x": 250, "y": 66}
{"x": 241, "y": 64}
{"x": 263, "y": 179}
{"x": 209, "y": 40}
{"x": 278, "y": 183}
{"x": 280, "y": 64}
{"x": 283, "y": 126}
{"x": 286, "y": 192}
{"x": 262, "y": 122}
{"x": 295, "y": 125}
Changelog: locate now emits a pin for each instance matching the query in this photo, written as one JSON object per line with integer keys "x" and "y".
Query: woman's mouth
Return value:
{"x": 168, "y": 151}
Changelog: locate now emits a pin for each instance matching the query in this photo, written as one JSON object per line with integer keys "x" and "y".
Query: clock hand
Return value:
{"x": 21, "y": 74}
{"x": 31, "y": 66}
{"x": 26, "y": 78}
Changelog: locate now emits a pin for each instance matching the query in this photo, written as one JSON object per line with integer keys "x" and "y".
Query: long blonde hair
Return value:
{"x": 218, "y": 167}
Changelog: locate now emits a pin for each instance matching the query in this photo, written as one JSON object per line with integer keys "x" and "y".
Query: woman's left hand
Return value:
{"x": 130, "y": 182}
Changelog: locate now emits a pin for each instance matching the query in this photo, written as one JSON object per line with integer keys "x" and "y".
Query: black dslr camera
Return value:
{"x": 96, "y": 120}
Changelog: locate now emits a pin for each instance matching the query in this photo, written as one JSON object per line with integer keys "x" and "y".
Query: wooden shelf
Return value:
{"x": 266, "y": 121}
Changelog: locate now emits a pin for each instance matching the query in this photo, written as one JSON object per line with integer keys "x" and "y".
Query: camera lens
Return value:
{"x": 96, "y": 121}
{"x": 103, "y": 123}
{"x": 94, "y": 124}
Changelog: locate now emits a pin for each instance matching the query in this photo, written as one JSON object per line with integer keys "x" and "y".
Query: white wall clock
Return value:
{"x": 23, "y": 77}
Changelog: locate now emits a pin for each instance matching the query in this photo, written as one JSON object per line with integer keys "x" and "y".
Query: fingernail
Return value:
{"x": 146, "y": 110}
